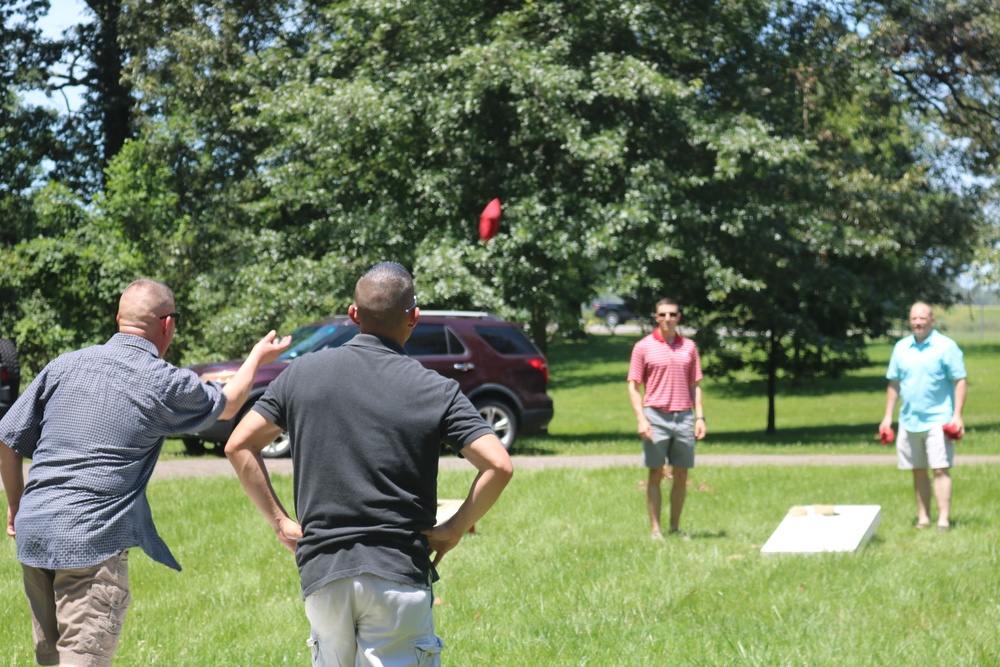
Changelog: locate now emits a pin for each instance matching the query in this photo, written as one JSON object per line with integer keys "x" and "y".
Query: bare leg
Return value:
{"x": 942, "y": 491}
{"x": 654, "y": 497}
{"x": 677, "y": 494}
{"x": 922, "y": 488}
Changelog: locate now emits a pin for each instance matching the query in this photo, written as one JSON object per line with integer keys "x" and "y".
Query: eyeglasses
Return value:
{"x": 175, "y": 315}
{"x": 414, "y": 304}
{"x": 671, "y": 315}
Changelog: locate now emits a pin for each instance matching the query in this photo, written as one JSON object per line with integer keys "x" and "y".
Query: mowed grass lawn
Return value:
{"x": 563, "y": 572}
{"x": 593, "y": 414}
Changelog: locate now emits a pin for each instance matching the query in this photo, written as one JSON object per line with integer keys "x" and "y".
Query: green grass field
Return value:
{"x": 563, "y": 572}
{"x": 593, "y": 414}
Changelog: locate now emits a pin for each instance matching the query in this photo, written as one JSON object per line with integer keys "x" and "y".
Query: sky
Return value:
{"x": 63, "y": 14}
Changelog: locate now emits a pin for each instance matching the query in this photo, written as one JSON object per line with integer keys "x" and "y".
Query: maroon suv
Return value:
{"x": 497, "y": 366}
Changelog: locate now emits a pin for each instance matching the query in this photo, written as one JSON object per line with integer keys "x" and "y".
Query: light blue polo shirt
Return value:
{"x": 927, "y": 373}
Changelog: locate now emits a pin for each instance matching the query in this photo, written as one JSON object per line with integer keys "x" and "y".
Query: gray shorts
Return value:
{"x": 929, "y": 449}
{"x": 370, "y": 620}
{"x": 77, "y": 613}
{"x": 673, "y": 439}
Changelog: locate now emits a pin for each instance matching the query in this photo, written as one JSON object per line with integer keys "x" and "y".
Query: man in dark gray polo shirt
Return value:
{"x": 366, "y": 424}
{"x": 93, "y": 423}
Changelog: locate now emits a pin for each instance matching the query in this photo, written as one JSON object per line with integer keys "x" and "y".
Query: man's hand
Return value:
{"x": 955, "y": 429}
{"x": 885, "y": 433}
{"x": 10, "y": 522}
{"x": 289, "y": 532}
{"x": 270, "y": 346}
{"x": 699, "y": 429}
{"x": 440, "y": 540}
{"x": 646, "y": 429}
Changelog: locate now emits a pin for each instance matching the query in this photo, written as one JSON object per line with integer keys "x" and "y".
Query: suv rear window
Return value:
{"x": 506, "y": 340}
{"x": 433, "y": 340}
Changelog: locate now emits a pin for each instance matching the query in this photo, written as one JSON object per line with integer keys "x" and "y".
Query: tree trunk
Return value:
{"x": 115, "y": 97}
{"x": 538, "y": 326}
{"x": 772, "y": 382}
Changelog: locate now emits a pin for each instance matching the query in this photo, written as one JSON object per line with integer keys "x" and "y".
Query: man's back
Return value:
{"x": 366, "y": 424}
{"x": 93, "y": 422}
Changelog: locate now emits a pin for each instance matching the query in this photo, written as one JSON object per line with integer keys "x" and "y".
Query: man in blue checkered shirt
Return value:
{"x": 93, "y": 423}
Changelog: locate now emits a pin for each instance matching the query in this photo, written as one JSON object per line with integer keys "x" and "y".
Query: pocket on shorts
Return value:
{"x": 313, "y": 645}
{"x": 111, "y": 592}
{"x": 428, "y": 651}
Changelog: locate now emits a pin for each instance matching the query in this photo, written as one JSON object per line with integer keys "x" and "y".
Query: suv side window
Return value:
{"x": 506, "y": 340}
{"x": 433, "y": 340}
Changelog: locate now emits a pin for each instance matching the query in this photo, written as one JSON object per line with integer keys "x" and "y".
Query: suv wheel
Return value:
{"x": 501, "y": 417}
{"x": 281, "y": 447}
{"x": 612, "y": 319}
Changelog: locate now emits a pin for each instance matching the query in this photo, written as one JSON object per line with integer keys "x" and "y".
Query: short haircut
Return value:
{"x": 155, "y": 288}
{"x": 142, "y": 299}
{"x": 383, "y": 295}
{"x": 667, "y": 301}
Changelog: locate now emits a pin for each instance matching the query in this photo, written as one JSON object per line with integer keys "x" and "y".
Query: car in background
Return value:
{"x": 10, "y": 375}
{"x": 495, "y": 363}
{"x": 613, "y": 310}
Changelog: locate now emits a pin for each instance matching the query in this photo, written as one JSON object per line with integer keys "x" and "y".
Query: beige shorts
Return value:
{"x": 87, "y": 603}
{"x": 930, "y": 449}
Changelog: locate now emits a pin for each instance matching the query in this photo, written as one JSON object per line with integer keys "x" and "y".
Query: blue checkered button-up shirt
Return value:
{"x": 93, "y": 423}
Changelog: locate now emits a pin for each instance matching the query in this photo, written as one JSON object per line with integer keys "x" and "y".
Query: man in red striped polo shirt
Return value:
{"x": 669, "y": 411}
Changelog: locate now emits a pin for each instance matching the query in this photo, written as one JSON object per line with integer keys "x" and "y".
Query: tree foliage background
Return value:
{"x": 794, "y": 172}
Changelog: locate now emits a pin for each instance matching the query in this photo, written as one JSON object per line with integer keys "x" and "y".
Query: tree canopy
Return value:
{"x": 795, "y": 173}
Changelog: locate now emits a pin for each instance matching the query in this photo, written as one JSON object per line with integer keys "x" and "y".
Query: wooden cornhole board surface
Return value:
{"x": 814, "y": 529}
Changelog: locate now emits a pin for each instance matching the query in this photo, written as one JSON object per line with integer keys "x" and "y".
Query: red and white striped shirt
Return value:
{"x": 667, "y": 370}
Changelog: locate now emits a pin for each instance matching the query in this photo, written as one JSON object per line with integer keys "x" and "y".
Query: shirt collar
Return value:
{"x": 132, "y": 340}
{"x": 378, "y": 342}
{"x": 927, "y": 341}
{"x": 657, "y": 336}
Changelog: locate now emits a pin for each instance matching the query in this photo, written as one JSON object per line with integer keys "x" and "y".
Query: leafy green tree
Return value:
{"x": 811, "y": 215}
{"x": 63, "y": 282}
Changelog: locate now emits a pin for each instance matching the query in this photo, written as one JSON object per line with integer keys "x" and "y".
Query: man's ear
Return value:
{"x": 414, "y": 316}
{"x": 352, "y": 312}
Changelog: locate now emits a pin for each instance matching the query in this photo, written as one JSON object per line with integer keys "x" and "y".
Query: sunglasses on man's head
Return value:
{"x": 175, "y": 315}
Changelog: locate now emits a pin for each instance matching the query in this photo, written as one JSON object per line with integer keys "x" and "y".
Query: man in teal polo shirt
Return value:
{"x": 927, "y": 372}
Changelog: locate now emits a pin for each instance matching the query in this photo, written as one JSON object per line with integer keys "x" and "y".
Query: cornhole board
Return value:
{"x": 822, "y": 528}
{"x": 446, "y": 509}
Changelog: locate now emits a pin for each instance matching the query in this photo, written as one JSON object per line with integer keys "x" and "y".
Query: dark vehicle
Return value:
{"x": 613, "y": 310}
{"x": 497, "y": 366}
{"x": 10, "y": 375}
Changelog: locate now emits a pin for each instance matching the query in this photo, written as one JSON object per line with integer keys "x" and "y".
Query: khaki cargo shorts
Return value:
{"x": 89, "y": 603}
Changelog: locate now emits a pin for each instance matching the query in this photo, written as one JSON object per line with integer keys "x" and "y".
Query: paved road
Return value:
{"x": 207, "y": 466}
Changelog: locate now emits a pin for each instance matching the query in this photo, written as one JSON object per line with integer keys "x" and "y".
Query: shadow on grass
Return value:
{"x": 756, "y": 388}
{"x": 591, "y": 380}
{"x": 572, "y": 355}
{"x": 707, "y": 534}
{"x": 980, "y": 349}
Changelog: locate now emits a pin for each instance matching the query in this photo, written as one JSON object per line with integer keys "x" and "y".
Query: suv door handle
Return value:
{"x": 464, "y": 367}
